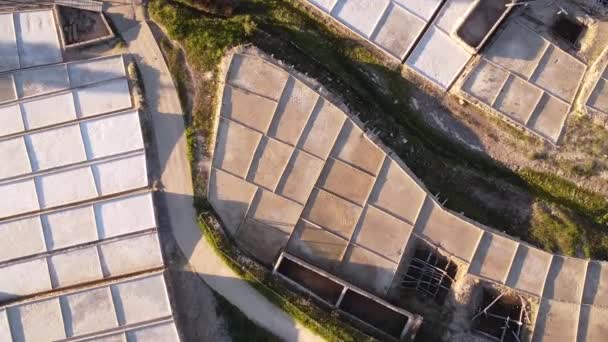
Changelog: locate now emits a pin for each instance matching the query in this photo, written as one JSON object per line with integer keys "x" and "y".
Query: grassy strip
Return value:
{"x": 216, "y": 7}
{"x": 191, "y": 141}
{"x": 174, "y": 62}
{"x": 568, "y": 194}
{"x": 563, "y": 230}
{"x": 204, "y": 40}
{"x": 240, "y": 327}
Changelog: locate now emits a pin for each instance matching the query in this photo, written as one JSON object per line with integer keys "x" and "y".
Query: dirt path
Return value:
{"x": 164, "y": 108}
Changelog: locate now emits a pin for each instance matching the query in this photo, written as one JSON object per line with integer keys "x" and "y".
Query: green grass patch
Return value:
{"x": 191, "y": 143}
{"x": 216, "y": 7}
{"x": 554, "y": 230}
{"x": 566, "y": 193}
{"x": 204, "y": 39}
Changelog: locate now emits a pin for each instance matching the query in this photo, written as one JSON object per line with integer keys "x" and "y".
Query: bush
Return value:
{"x": 538, "y": 155}
{"x": 205, "y": 39}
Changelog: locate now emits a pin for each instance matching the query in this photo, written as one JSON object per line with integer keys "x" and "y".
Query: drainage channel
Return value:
{"x": 350, "y": 301}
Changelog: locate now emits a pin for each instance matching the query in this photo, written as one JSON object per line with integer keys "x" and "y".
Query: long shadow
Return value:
{"x": 175, "y": 212}
{"x": 164, "y": 149}
{"x": 193, "y": 303}
{"x": 176, "y": 259}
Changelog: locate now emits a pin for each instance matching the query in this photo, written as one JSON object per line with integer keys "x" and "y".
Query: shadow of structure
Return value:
{"x": 194, "y": 305}
{"x": 187, "y": 285}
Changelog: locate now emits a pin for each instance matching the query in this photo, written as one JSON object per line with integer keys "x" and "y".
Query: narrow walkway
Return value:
{"x": 164, "y": 108}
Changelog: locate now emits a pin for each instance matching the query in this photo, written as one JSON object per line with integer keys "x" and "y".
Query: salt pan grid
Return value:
{"x": 71, "y": 144}
{"x": 75, "y": 226}
{"x": 527, "y": 79}
{"x": 598, "y": 99}
{"x": 135, "y": 309}
{"x": 429, "y": 58}
{"x": 28, "y": 39}
{"x": 24, "y": 83}
{"x": 418, "y": 32}
{"x": 72, "y": 185}
{"x": 394, "y": 26}
{"x": 76, "y": 210}
{"x": 78, "y": 245}
{"x": 364, "y": 229}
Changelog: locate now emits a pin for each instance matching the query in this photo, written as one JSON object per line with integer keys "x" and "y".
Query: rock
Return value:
{"x": 415, "y": 104}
